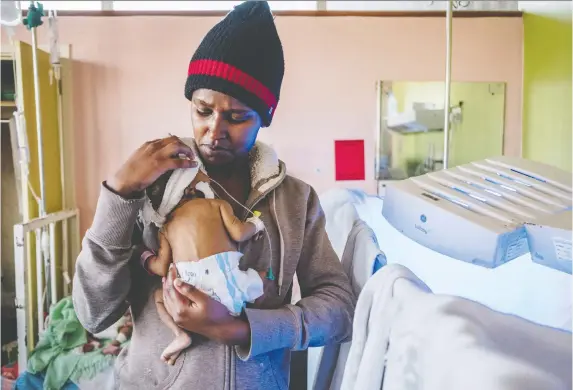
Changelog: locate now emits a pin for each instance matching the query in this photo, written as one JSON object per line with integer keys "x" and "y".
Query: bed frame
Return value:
{"x": 48, "y": 268}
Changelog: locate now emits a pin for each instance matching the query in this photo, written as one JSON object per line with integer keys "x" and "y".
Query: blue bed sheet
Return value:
{"x": 28, "y": 381}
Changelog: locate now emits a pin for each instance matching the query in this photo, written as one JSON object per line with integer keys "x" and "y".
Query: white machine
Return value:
{"x": 421, "y": 118}
{"x": 478, "y": 212}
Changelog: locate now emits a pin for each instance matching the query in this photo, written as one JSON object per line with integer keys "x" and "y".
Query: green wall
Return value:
{"x": 547, "y": 126}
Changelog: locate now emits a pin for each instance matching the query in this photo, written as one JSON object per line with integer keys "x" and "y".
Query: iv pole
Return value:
{"x": 448, "y": 82}
{"x": 32, "y": 21}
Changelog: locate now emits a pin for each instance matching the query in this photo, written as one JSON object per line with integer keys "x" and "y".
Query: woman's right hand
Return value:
{"x": 148, "y": 163}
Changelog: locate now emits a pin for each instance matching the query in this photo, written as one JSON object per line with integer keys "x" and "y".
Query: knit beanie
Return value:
{"x": 241, "y": 56}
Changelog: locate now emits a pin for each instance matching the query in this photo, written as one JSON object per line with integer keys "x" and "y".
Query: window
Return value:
{"x": 379, "y": 5}
{"x": 86, "y": 5}
{"x": 544, "y": 5}
{"x": 293, "y": 5}
{"x": 425, "y": 5}
{"x": 166, "y": 5}
{"x": 196, "y": 5}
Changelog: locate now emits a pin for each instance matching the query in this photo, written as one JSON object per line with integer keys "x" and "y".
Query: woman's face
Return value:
{"x": 224, "y": 128}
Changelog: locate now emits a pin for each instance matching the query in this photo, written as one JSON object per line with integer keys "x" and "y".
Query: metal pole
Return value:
{"x": 23, "y": 300}
{"x": 64, "y": 262}
{"x": 448, "y": 83}
{"x": 53, "y": 269}
{"x": 57, "y": 69}
{"x": 39, "y": 280}
{"x": 38, "y": 122}
{"x": 40, "y": 259}
{"x": 378, "y": 134}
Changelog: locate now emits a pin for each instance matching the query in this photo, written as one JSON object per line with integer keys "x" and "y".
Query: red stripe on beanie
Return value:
{"x": 230, "y": 73}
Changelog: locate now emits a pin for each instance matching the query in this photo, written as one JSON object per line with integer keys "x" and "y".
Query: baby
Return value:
{"x": 199, "y": 234}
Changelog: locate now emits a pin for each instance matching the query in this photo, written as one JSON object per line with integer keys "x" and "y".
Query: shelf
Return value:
{"x": 405, "y": 130}
{"x": 7, "y": 104}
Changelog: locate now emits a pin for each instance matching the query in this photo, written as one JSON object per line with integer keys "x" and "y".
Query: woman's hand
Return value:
{"x": 196, "y": 312}
{"x": 148, "y": 163}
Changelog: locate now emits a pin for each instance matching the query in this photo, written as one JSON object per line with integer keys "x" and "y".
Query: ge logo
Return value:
{"x": 423, "y": 218}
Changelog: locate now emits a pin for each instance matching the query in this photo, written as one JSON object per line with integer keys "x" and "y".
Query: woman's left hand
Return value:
{"x": 196, "y": 312}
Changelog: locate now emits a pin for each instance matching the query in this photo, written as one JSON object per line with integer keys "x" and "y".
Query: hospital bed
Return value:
{"x": 407, "y": 337}
{"x": 463, "y": 225}
{"x": 528, "y": 288}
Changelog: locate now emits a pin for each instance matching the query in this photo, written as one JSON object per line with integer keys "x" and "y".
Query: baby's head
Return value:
{"x": 156, "y": 190}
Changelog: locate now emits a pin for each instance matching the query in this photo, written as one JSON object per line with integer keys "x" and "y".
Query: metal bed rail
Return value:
{"x": 49, "y": 232}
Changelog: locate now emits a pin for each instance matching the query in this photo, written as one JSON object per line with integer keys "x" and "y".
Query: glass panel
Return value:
{"x": 543, "y": 5}
{"x": 166, "y": 5}
{"x": 377, "y": 5}
{"x": 411, "y": 139}
{"x": 68, "y": 5}
{"x": 487, "y": 5}
{"x": 205, "y": 5}
{"x": 439, "y": 5}
{"x": 293, "y": 5}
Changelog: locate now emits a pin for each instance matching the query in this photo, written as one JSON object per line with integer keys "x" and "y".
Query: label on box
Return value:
{"x": 562, "y": 249}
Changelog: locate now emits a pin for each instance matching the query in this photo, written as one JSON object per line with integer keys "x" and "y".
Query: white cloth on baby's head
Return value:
{"x": 219, "y": 277}
{"x": 174, "y": 190}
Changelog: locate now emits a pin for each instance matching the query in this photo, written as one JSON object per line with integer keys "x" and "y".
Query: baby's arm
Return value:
{"x": 239, "y": 231}
{"x": 159, "y": 265}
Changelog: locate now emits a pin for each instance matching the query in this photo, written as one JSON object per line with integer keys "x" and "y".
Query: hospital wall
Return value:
{"x": 547, "y": 125}
{"x": 129, "y": 73}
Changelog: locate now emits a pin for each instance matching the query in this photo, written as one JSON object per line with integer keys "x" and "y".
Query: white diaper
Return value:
{"x": 219, "y": 277}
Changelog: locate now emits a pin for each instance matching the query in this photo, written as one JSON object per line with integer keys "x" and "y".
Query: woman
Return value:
{"x": 233, "y": 84}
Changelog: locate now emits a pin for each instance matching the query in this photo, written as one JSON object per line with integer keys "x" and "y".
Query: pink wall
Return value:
{"x": 129, "y": 75}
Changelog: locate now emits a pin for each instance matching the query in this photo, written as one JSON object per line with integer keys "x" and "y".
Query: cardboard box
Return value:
{"x": 549, "y": 240}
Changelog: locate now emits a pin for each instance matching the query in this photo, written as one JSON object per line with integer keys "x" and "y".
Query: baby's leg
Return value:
{"x": 182, "y": 338}
{"x": 159, "y": 265}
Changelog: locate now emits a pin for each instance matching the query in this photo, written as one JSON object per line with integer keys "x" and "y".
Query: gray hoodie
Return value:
{"x": 109, "y": 280}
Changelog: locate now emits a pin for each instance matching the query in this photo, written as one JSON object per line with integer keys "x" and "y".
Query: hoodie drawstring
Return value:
{"x": 281, "y": 242}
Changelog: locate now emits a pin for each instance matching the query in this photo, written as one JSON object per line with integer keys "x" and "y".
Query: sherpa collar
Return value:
{"x": 267, "y": 170}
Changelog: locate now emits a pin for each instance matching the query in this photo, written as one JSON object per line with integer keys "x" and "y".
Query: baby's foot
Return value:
{"x": 112, "y": 349}
{"x": 173, "y": 350}
{"x": 87, "y": 347}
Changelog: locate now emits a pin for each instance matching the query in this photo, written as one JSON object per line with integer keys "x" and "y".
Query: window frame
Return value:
{"x": 69, "y": 5}
{"x": 212, "y": 6}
